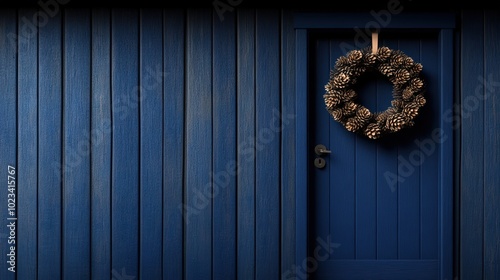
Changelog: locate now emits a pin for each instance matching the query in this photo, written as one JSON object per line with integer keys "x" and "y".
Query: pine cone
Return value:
{"x": 416, "y": 85}
{"x": 350, "y": 108}
{"x": 401, "y": 76}
{"x": 348, "y": 95}
{"x": 363, "y": 113}
{"x": 386, "y": 69}
{"x": 407, "y": 94}
{"x": 382, "y": 116}
{"x": 331, "y": 101}
{"x": 397, "y": 59}
{"x": 408, "y": 62}
{"x": 383, "y": 53}
{"x": 354, "y": 57}
{"x": 340, "y": 80}
{"x": 354, "y": 124}
{"x": 341, "y": 62}
{"x": 410, "y": 111}
{"x": 420, "y": 100}
{"x": 395, "y": 122}
{"x": 373, "y": 131}
{"x": 369, "y": 59}
{"x": 338, "y": 114}
{"x": 397, "y": 103}
{"x": 357, "y": 71}
{"x": 415, "y": 69}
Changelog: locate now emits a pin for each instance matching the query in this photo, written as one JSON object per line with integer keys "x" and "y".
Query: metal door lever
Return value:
{"x": 320, "y": 150}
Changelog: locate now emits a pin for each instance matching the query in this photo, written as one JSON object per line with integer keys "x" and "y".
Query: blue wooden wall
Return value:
{"x": 479, "y": 158}
{"x": 148, "y": 143}
{"x": 160, "y": 143}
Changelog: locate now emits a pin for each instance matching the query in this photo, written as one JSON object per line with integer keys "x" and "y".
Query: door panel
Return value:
{"x": 376, "y": 201}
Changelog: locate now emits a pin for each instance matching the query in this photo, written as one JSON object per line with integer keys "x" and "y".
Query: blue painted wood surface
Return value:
{"x": 395, "y": 231}
{"x": 491, "y": 154}
{"x": 151, "y": 140}
{"x": 267, "y": 146}
{"x": 125, "y": 142}
{"x": 27, "y": 154}
{"x": 76, "y": 145}
{"x": 50, "y": 165}
{"x": 246, "y": 143}
{"x": 199, "y": 148}
{"x": 225, "y": 167}
{"x": 8, "y": 139}
{"x": 472, "y": 147}
{"x": 122, "y": 212}
{"x": 173, "y": 143}
{"x": 101, "y": 141}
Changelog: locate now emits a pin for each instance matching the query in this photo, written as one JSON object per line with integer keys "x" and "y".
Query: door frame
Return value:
{"x": 444, "y": 23}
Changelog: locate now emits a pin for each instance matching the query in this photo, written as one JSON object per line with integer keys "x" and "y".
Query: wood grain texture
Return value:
{"x": 27, "y": 147}
{"x": 246, "y": 143}
{"x": 173, "y": 143}
{"x": 101, "y": 135}
{"x": 151, "y": 137}
{"x": 472, "y": 156}
{"x": 199, "y": 148}
{"x": 125, "y": 147}
{"x": 225, "y": 167}
{"x": 267, "y": 155}
{"x": 50, "y": 166}
{"x": 8, "y": 135}
{"x": 491, "y": 152}
{"x": 288, "y": 157}
{"x": 76, "y": 145}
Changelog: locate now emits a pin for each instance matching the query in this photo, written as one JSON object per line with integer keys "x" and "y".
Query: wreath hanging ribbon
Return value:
{"x": 408, "y": 91}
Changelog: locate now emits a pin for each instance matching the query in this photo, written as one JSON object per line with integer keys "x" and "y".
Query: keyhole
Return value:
{"x": 319, "y": 162}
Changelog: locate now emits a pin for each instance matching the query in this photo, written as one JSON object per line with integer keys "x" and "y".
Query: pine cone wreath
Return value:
{"x": 408, "y": 88}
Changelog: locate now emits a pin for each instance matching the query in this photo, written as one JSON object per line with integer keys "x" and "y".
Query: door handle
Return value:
{"x": 321, "y": 150}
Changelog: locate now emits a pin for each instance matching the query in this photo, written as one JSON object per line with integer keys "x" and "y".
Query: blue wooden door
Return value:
{"x": 378, "y": 209}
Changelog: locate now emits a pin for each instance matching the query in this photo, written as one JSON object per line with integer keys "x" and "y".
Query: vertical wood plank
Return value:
{"x": 287, "y": 141}
{"x": 125, "y": 147}
{"x": 50, "y": 168}
{"x": 76, "y": 145}
{"x": 319, "y": 191}
{"x": 199, "y": 191}
{"x": 8, "y": 146}
{"x": 301, "y": 197}
{"x": 101, "y": 144}
{"x": 224, "y": 170}
{"x": 472, "y": 156}
{"x": 366, "y": 183}
{"x": 173, "y": 144}
{"x": 387, "y": 192}
{"x": 151, "y": 124}
{"x": 445, "y": 196}
{"x": 342, "y": 179}
{"x": 246, "y": 143}
{"x": 267, "y": 145}
{"x": 27, "y": 116}
{"x": 430, "y": 169}
{"x": 409, "y": 185}
{"x": 491, "y": 149}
